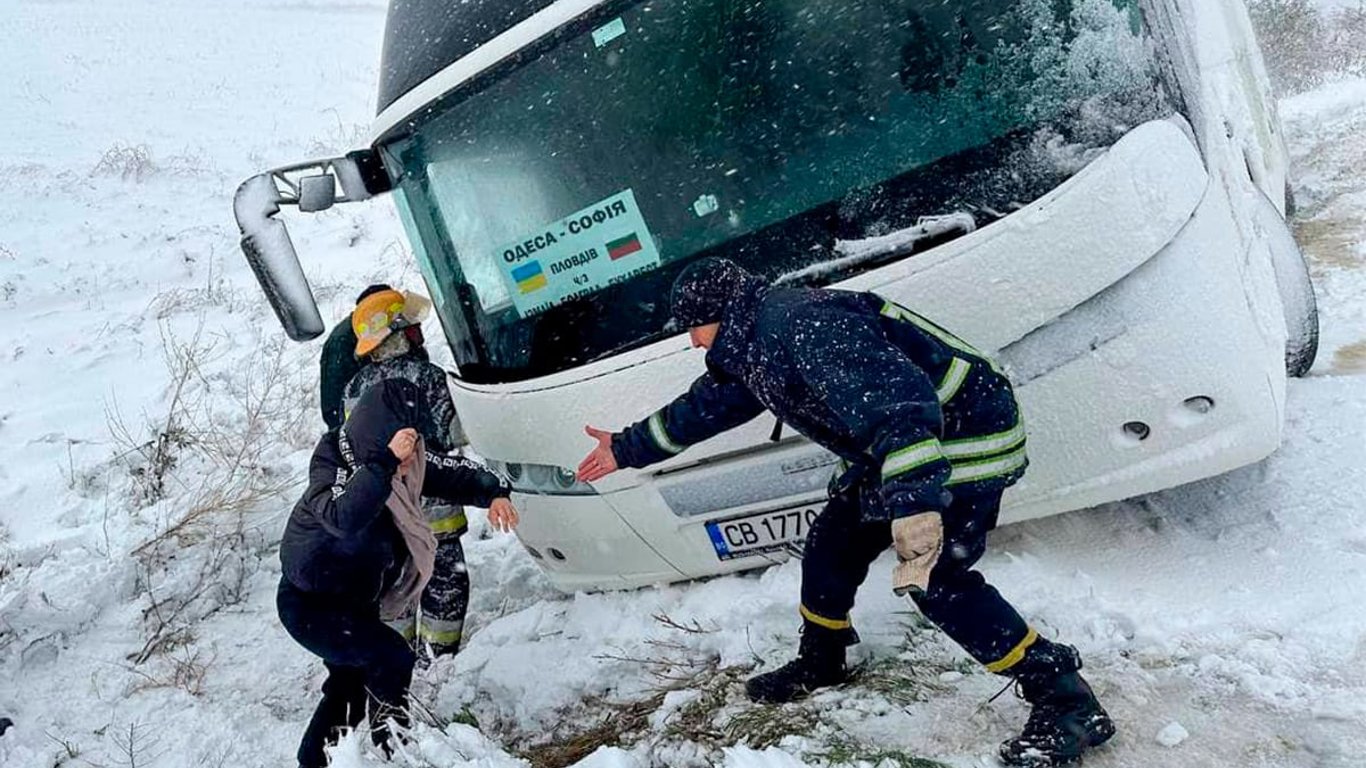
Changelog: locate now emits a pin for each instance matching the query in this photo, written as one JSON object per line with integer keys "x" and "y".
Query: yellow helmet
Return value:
{"x": 382, "y": 313}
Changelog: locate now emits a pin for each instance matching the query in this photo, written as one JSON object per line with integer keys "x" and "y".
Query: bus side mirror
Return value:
{"x": 310, "y": 187}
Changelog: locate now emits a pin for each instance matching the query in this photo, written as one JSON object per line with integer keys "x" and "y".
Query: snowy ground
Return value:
{"x": 1230, "y": 607}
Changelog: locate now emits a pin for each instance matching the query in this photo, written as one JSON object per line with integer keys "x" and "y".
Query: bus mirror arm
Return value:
{"x": 310, "y": 187}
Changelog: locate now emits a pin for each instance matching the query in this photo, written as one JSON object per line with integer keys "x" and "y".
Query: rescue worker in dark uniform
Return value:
{"x": 929, "y": 435}
{"x": 357, "y": 551}
{"x": 389, "y": 344}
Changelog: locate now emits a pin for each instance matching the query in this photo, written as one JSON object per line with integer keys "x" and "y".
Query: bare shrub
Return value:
{"x": 150, "y": 456}
{"x": 217, "y": 292}
{"x": 340, "y": 138}
{"x": 70, "y": 750}
{"x": 185, "y": 669}
{"x": 127, "y": 162}
{"x": 234, "y": 421}
{"x": 135, "y": 162}
{"x": 208, "y": 464}
{"x": 137, "y": 746}
{"x": 180, "y": 599}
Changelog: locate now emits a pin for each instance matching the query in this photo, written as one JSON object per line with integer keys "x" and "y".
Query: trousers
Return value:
{"x": 842, "y": 545}
{"x": 369, "y": 667}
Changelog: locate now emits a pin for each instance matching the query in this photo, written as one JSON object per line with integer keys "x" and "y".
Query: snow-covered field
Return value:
{"x": 149, "y": 398}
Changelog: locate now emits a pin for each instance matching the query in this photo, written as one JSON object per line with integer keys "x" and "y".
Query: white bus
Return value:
{"x": 1091, "y": 190}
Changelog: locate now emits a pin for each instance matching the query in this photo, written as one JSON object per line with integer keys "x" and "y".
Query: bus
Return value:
{"x": 1092, "y": 191}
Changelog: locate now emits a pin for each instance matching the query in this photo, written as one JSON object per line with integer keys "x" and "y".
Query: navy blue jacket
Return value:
{"x": 341, "y": 540}
{"x": 913, "y": 411}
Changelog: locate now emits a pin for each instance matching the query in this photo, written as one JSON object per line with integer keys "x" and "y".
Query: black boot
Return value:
{"x": 1066, "y": 719}
{"x": 819, "y": 663}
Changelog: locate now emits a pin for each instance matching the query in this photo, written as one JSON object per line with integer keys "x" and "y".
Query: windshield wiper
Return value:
{"x": 928, "y": 232}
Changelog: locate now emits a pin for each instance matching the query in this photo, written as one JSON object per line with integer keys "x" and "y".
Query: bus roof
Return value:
{"x": 431, "y": 47}
{"x": 423, "y": 37}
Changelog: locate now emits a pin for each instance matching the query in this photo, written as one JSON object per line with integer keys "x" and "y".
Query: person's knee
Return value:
{"x": 398, "y": 657}
{"x": 947, "y": 586}
{"x": 344, "y": 683}
{"x": 960, "y": 554}
{"x": 389, "y": 675}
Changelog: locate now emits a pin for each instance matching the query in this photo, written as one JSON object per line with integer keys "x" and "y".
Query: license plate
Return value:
{"x": 764, "y": 532}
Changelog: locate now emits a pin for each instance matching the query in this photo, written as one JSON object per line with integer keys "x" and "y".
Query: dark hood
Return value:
{"x": 383, "y": 409}
{"x": 728, "y": 355}
{"x": 704, "y": 290}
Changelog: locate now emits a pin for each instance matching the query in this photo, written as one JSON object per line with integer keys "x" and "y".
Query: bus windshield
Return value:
{"x": 552, "y": 202}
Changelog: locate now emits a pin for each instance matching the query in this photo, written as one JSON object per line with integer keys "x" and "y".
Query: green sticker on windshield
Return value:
{"x": 609, "y": 32}
{"x": 601, "y": 245}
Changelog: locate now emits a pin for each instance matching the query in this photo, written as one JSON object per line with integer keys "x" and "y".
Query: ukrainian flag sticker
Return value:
{"x": 530, "y": 277}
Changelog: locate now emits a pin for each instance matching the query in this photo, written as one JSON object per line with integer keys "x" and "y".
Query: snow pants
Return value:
{"x": 447, "y": 596}
{"x": 369, "y": 667}
{"x": 842, "y": 545}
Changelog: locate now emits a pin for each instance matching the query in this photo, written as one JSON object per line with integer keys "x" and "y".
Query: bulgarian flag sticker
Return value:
{"x": 623, "y": 247}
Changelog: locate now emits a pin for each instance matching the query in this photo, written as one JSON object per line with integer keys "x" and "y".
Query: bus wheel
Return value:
{"x": 1297, "y": 299}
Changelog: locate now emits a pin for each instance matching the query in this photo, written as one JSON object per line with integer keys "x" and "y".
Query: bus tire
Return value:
{"x": 1298, "y": 302}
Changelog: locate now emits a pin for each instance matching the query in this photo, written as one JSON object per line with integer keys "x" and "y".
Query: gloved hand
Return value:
{"x": 918, "y": 540}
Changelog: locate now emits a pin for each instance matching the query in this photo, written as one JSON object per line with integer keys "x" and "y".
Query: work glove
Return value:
{"x": 918, "y": 540}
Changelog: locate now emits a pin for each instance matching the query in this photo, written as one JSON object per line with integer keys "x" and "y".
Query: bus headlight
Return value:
{"x": 542, "y": 479}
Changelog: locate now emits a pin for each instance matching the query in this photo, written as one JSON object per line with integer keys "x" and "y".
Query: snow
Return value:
{"x": 902, "y": 241}
{"x": 1172, "y": 735}
{"x": 1229, "y": 609}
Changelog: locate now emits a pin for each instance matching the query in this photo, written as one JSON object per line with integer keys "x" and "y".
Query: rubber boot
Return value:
{"x": 819, "y": 663}
{"x": 1066, "y": 720}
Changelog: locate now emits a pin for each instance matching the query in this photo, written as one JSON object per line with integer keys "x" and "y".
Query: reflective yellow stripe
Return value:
{"x": 1016, "y": 654}
{"x": 898, "y": 312}
{"x": 450, "y": 524}
{"x": 973, "y": 447}
{"x": 661, "y": 435}
{"x": 953, "y": 379}
{"x": 911, "y": 457}
{"x": 449, "y": 637}
{"x": 816, "y": 618}
{"x": 989, "y": 468}
{"x": 406, "y": 627}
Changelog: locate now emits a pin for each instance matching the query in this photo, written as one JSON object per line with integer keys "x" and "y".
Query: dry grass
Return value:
{"x": 716, "y": 714}
{"x": 1350, "y": 358}
{"x": 206, "y": 466}
{"x": 186, "y": 670}
{"x": 840, "y": 750}
{"x": 135, "y": 162}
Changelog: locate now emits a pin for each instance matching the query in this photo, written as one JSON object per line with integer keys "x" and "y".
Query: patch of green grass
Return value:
{"x": 901, "y": 682}
{"x": 466, "y": 717}
{"x": 840, "y": 750}
{"x": 761, "y": 727}
{"x": 618, "y": 727}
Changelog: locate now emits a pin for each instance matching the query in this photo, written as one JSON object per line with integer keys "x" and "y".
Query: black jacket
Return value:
{"x": 912, "y": 410}
{"x": 340, "y": 539}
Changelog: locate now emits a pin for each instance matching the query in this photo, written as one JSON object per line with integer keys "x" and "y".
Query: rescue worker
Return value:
{"x": 357, "y": 550}
{"x": 389, "y": 345}
{"x": 338, "y": 363}
{"x": 929, "y": 435}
